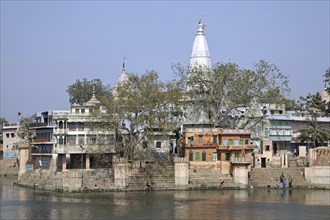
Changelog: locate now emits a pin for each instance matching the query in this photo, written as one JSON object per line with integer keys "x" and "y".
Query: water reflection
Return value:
{"x": 26, "y": 203}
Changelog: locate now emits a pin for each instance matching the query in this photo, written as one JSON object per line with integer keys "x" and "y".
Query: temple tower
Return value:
{"x": 200, "y": 54}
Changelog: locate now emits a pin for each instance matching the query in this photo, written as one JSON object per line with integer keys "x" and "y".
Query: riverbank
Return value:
{"x": 152, "y": 177}
{"x": 189, "y": 187}
{"x": 25, "y": 203}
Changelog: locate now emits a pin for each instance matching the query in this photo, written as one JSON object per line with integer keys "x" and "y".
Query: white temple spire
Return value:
{"x": 123, "y": 76}
{"x": 200, "y": 55}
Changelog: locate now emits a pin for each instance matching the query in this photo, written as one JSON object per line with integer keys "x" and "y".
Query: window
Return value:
{"x": 235, "y": 142}
{"x": 80, "y": 126}
{"x": 91, "y": 140}
{"x": 215, "y": 156}
{"x": 190, "y": 140}
{"x": 59, "y": 140}
{"x": 246, "y": 141}
{"x": 197, "y": 156}
{"x": 12, "y": 135}
{"x": 191, "y": 156}
{"x": 71, "y": 126}
{"x": 241, "y": 142}
{"x": 227, "y": 156}
{"x": 231, "y": 142}
{"x": 83, "y": 110}
{"x": 71, "y": 140}
{"x": 236, "y": 154}
{"x": 200, "y": 139}
{"x": 76, "y": 110}
{"x": 81, "y": 140}
{"x": 158, "y": 144}
{"x": 267, "y": 148}
{"x": 60, "y": 125}
{"x": 204, "y": 156}
{"x": 7, "y": 135}
{"x": 225, "y": 142}
{"x": 215, "y": 139}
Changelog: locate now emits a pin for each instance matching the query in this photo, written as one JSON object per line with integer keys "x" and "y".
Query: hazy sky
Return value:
{"x": 46, "y": 46}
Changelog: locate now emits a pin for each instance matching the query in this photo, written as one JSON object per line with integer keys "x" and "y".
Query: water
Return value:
{"x": 27, "y": 203}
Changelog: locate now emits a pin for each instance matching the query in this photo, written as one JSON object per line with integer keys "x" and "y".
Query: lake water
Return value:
{"x": 27, "y": 203}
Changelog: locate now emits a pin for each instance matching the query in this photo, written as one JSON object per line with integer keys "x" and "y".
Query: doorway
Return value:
{"x": 263, "y": 162}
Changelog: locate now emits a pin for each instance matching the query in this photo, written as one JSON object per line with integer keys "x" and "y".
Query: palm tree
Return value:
{"x": 314, "y": 134}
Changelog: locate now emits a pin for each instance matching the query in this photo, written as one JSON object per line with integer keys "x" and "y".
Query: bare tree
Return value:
{"x": 143, "y": 107}
{"x": 226, "y": 89}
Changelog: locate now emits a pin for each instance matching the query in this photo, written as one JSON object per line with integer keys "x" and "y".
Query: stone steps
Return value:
{"x": 209, "y": 178}
{"x": 159, "y": 176}
{"x": 260, "y": 177}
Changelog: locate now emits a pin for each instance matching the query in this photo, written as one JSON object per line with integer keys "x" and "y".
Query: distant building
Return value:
{"x": 10, "y": 138}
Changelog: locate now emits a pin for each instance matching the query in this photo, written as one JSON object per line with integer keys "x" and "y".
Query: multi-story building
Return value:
{"x": 282, "y": 137}
{"x": 43, "y": 145}
{"x": 81, "y": 136}
{"x": 223, "y": 147}
{"x": 200, "y": 144}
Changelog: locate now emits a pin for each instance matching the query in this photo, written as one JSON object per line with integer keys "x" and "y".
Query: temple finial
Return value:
{"x": 124, "y": 62}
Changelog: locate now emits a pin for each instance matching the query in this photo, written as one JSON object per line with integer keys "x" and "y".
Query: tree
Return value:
{"x": 227, "y": 88}
{"x": 82, "y": 90}
{"x": 314, "y": 105}
{"x": 3, "y": 120}
{"x": 290, "y": 104}
{"x": 314, "y": 134}
{"x": 24, "y": 132}
{"x": 142, "y": 107}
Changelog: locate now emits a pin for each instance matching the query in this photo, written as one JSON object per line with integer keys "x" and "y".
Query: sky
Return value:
{"x": 48, "y": 45}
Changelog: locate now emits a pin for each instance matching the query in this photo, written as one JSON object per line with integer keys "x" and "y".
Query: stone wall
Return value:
{"x": 181, "y": 171}
{"x": 318, "y": 175}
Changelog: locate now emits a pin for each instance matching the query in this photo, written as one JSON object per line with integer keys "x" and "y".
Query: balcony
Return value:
{"x": 235, "y": 147}
{"x": 40, "y": 140}
{"x": 38, "y": 125}
{"x": 42, "y": 150}
{"x": 76, "y": 149}
{"x": 235, "y": 131}
{"x": 240, "y": 160}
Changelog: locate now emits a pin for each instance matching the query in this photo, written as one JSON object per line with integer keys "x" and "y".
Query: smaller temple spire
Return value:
{"x": 123, "y": 78}
{"x": 93, "y": 90}
{"x": 93, "y": 101}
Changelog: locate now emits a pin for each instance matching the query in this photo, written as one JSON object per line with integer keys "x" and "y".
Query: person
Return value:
{"x": 290, "y": 182}
{"x": 295, "y": 152}
{"x": 281, "y": 178}
{"x": 148, "y": 187}
{"x": 284, "y": 182}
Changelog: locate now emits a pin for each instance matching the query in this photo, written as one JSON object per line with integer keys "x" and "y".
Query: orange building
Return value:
{"x": 234, "y": 144}
{"x": 200, "y": 144}
{"x": 217, "y": 144}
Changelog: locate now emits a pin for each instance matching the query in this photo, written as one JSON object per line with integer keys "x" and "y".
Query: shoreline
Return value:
{"x": 156, "y": 189}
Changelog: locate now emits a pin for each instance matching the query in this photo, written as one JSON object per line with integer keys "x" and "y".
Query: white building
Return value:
{"x": 80, "y": 133}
